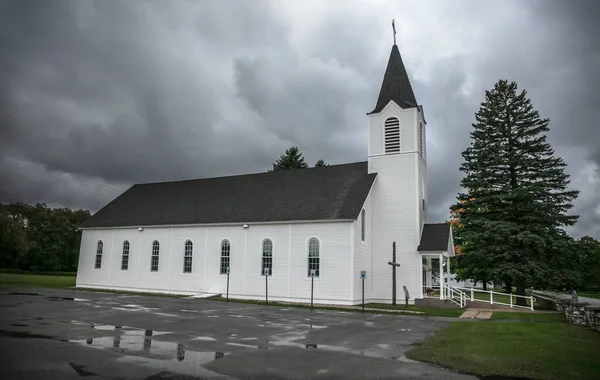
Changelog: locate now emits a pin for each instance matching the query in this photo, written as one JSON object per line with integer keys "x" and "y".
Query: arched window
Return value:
{"x": 267, "y": 256}
{"x": 392, "y": 135}
{"x": 187, "y": 256}
{"x": 421, "y": 139}
{"x": 99, "y": 248}
{"x": 125, "y": 257}
{"x": 225, "y": 256}
{"x": 363, "y": 223}
{"x": 313, "y": 256}
{"x": 155, "y": 252}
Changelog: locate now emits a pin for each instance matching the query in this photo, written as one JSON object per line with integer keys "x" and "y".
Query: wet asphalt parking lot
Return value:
{"x": 68, "y": 334}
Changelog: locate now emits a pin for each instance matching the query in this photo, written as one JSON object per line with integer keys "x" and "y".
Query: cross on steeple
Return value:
{"x": 394, "y": 29}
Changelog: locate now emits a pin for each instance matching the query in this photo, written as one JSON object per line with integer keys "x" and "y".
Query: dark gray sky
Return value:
{"x": 98, "y": 95}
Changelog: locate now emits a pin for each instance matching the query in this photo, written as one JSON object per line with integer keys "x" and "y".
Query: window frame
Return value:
{"x": 396, "y": 147}
{"x": 126, "y": 246}
{"x": 188, "y": 256}
{"x": 224, "y": 259}
{"x": 99, "y": 252}
{"x": 266, "y": 259}
{"x": 155, "y": 243}
{"x": 315, "y": 263}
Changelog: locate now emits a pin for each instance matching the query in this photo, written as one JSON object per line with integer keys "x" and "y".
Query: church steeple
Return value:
{"x": 396, "y": 85}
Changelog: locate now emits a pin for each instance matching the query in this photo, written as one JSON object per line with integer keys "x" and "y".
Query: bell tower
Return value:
{"x": 397, "y": 153}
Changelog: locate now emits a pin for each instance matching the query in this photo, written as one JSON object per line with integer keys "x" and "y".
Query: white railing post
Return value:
{"x": 531, "y": 298}
{"x": 472, "y": 298}
{"x": 511, "y": 305}
{"x": 491, "y": 298}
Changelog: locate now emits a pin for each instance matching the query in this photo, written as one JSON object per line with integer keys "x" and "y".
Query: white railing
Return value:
{"x": 501, "y": 298}
{"x": 456, "y": 296}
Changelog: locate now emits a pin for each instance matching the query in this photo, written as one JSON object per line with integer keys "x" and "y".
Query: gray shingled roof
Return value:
{"x": 396, "y": 85}
{"x": 325, "y": 193}
{"x": 435, "y": 237}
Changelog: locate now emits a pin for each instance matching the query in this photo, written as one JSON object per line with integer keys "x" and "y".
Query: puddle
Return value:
{"x": 27, "y": 335}
{"x": 19, "y": 325}
{"x": 80, "y": 370}
{"x": 138, "y": 346}
{"x": 247, "y": 345}
{"x": 205, "y": 338}
{"x": 311, "y": 345}
{"x": 23, "y": 294}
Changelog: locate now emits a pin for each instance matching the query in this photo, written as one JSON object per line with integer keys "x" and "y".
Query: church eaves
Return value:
{"x": 396, "y": 85}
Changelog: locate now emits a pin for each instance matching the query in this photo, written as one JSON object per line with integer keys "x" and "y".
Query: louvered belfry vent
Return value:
{"x": 392, "y": 135}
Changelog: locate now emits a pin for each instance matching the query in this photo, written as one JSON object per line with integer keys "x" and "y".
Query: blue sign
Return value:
{"x": 266, "y": 272}
{"x": 227, "y": 269}
{"x": 363, "y": 274}
{"x": 313, "y": 273}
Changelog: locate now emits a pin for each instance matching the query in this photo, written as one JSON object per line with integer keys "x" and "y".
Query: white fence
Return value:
{"x": 500, "y": 298}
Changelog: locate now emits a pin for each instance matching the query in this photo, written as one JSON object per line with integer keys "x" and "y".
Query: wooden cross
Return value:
{"x": 394, "y": 265}
{"x": 394, "y": 28}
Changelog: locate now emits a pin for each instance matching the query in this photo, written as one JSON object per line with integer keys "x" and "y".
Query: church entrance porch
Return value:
{"x": 435, "y": 275}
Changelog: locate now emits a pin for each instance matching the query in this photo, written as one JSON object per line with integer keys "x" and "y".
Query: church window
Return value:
{"x": 225, "y": 256}
{"x": 267, "y": 256}
{"x": 421, "y": 139}
{"x": 313, "y": 256}
{"x": 155, "y": 252}
{"x": 363, "y": 227}
{"x": 99, "y": 248}
{"x": 125, "y": 256}
{"x": 392, "y": 135}
{"x": 187, "y": 256}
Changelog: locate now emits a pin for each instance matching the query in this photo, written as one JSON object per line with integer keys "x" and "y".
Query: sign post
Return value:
{"x": 394, "y": 265}
{"x": 363, "y": 275}
{"x": 406, "y": 295}
{"x": 228, "y": 284}
{"x": 266, "y": 273}
{"x": 313, "y": 273}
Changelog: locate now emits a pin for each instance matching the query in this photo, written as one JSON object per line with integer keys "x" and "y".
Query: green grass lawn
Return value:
{"x": 36, "y": 281}
{"x": 532, "y": 317}
{"x": 520, "y": 349}
{"x": 430, "y": 311}
{"x": 425, "y": 311}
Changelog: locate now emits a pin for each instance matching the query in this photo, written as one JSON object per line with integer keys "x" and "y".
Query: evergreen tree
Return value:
{"x": 292, "y": 159}
{"x": 321, "y": 163}
{"x": 516, "y": 198}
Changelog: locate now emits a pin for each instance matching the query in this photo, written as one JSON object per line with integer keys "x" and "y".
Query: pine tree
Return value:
{"x": 292, "y": 159}
{"x": 516, "y": 199}
{"x": 321, "y": 163}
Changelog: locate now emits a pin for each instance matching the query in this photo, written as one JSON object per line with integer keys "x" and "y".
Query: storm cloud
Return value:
{"x": 98, "y": 95}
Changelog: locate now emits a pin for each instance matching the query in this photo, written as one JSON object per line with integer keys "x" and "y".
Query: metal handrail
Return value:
{"x": 461, "y": 299}
{"x": 491, "y": 301}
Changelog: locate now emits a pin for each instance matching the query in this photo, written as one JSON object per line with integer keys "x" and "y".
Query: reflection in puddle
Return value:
{"x": 138, "y": 347}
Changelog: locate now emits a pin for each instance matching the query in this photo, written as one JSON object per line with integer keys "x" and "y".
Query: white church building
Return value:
{"x": 209, "y": 236}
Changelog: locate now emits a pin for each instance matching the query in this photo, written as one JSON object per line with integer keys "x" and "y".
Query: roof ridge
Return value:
{"x": 247, "y": 174}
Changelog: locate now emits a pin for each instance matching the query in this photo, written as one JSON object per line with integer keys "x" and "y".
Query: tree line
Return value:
{"x": 39, "y": 238}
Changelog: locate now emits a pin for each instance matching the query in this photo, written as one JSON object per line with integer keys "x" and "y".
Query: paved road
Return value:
{"x": 65, "y": 334}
